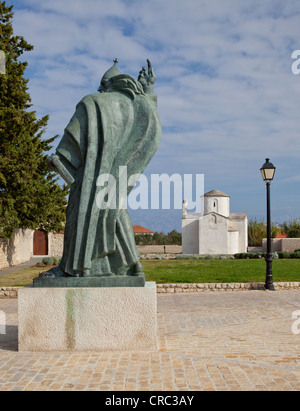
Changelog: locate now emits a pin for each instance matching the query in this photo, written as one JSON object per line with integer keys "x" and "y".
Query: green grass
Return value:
{"x": 190, "y": 271}
{"x": 219, "y": 271}
{"x": 20, "y": 277}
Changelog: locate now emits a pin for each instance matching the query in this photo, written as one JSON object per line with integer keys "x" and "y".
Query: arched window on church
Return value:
{"x": 213, "y": 219}
{"x": 215, "y": 205}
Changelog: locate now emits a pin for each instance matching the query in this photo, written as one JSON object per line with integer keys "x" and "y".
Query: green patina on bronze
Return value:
{"x": 115, "y": 129}
{"x": 70, "y": 320}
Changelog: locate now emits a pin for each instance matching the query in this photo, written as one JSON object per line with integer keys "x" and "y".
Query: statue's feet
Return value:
{"x": 137, "y": 269}
{"x": 54, "y": 273}
{"x": 87, "y": 273}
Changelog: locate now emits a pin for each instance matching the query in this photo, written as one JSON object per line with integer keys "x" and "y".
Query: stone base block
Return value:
{"x": 88, "y": 319}
{"x": 90, "y": 282}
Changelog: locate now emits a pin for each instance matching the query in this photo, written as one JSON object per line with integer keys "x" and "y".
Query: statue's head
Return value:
{"x": 114, "y": 81}
{"x": 112, "y": 72}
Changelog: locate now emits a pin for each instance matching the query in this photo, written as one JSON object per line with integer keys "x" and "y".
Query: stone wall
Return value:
{"x": 8, "y": 292}
{"x": 19, "y": 249}
{"x": 12, "y": 292}
{"x": 153, "y": 249}
{"x": 16, "y": 250}
{"x": 55, "y": 244}
{"x": 202, "y": 287}
{"x": 282, "y": 244}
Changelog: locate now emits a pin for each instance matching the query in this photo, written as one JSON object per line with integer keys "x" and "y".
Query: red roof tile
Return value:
{"x": 137, "y": 229}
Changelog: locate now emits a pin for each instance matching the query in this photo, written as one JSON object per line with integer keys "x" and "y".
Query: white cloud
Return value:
{"x": 226, "y": 94}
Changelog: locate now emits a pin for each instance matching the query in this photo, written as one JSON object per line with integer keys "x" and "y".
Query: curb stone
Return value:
{"x": 12, "y": 292}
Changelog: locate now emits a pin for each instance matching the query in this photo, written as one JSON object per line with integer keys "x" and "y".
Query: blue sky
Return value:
{"x": 227, "y": 97}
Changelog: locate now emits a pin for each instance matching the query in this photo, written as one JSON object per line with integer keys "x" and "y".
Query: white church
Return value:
{"x": 215, "y": 230}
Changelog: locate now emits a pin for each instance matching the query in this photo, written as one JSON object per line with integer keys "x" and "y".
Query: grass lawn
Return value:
{"x": 219, "y": 271}
{"x": 191, "y": 271}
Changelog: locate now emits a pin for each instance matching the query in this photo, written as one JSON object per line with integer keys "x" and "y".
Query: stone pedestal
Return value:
{"x": 88, "y": 319}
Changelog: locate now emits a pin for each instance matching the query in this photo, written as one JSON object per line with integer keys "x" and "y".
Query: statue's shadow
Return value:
{"x": 9, "y": 340}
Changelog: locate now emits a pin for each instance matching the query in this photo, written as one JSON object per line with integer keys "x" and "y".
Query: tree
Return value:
{"x": 257, "y": 230}
{"x": 292, "y": 228}
{"x": 30, "y": 196}
{"x": 175, "y": 238}
{"x": 172, "y": 238}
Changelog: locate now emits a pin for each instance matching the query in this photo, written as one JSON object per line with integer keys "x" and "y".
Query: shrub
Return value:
{"x": 255, "y": 255}
{"x": 238, "y": 256}
{"x": 249, "y": 255}
{"x": 295, "y": 255}
{"x": 252, "y": 255}
{"x": 187, "y": 257}
{"x": 47, "y": 261}
{"x": 283, "y": 254}
{"x": 244, "y": 255}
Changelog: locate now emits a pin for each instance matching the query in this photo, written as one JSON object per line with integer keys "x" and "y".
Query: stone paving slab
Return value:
{"x": 207, "y": 341}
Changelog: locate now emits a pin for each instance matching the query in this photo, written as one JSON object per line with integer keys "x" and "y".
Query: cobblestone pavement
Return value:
{"x": 207, "y": 341}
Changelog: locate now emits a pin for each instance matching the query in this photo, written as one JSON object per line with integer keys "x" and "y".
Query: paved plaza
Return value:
{"x": 240, "y": 340}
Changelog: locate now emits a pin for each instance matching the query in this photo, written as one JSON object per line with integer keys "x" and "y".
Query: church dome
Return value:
{"x": 216, "y": 202}
{"x": 215, "y": 193}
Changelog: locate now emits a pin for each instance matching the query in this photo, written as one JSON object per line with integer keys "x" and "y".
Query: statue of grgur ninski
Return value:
{"x": 116, "y": 128}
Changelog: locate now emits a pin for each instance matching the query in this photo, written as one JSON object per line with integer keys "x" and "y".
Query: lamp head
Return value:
{"x": 267, "y": 170}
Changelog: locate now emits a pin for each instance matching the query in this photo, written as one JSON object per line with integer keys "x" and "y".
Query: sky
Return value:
{"x": 227, "y": 95}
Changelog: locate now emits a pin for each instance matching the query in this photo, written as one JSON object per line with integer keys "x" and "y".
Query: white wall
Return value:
{"x": 217, "y": 232}
{"x": 233, "y": 242}
{"x": 239, "y": 222}
{"x": 218, "y": 205}
{"x": 190, "y": 235}
{"x": 213, "y": 234}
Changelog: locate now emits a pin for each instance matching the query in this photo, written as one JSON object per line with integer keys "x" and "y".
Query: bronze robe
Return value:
{"x": 108, "y": 130}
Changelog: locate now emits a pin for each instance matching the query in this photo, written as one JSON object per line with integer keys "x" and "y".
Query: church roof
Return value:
{"x": 215, "y": 193}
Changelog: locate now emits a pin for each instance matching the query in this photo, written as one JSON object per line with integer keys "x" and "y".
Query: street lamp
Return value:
{"x": 267, "y": 172}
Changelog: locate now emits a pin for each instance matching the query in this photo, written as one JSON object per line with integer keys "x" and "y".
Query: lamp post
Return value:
{"x": 268, "y": 171}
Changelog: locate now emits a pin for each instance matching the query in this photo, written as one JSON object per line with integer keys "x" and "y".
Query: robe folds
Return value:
{"x": 107, "y": 131}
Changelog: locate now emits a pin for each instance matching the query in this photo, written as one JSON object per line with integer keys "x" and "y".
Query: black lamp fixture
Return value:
{"x": 267, "y": 172}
